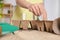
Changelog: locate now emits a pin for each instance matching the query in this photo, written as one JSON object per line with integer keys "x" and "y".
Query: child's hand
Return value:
{"x": 35, "y": 8}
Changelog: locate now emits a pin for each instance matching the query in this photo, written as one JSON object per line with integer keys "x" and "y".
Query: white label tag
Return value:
{"x": 24, "y": 16}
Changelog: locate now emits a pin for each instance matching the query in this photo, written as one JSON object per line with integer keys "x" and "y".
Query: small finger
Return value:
{"x": 34, "y": 10}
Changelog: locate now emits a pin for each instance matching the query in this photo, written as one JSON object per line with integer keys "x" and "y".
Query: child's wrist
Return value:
{"x": 28, "y": 5}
